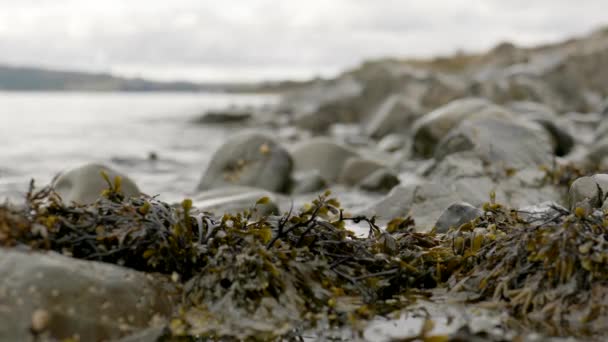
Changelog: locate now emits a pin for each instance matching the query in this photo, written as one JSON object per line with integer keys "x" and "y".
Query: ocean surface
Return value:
{"x": 42, "y": 134}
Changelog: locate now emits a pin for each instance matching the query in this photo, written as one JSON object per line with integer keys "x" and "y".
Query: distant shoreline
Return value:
{"x": 33, "y": 79}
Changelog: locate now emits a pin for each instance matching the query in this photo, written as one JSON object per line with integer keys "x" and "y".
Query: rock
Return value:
{"x": 62, "y": 297}
{"x": 532, "y": 111}
{"x": 356, "y": 169}
{"x": 307, "y": 182}
{"x": 249, "y": 159}
{"x": 429, "y": 129}
{"x": 586, "y": 191}
{"x": 84, "y": 185}
{"x": 381, "y": 180}
{"x": 237, "y": 199}
{"x": 456, "y": 215}
{"x": 395, "y": 114}
{"x": 323, "y": 155}
{"x": 228, "y": 116}
{"x": 391, "y": 143}
{"x": 499, "y": 143}
{"x": 540, "y": 212}
{"x": 426, "y": 201}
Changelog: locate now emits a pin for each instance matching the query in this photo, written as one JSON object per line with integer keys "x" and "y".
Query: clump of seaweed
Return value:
{"x": 305, "y": 271}
{"x": 548, "y": 269}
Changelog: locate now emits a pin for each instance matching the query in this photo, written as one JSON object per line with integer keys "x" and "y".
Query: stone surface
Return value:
{"x": 391, "y": 143}
{"x": 381, "y": 180}
{"x": 229, "y": 116}
{"x": 433, "y": 126}
{"x": 237, "y": 199}
{"x": 323, "y": 155}
{"x": 356, "y": 169}
{"x": 396, "y": 114}
{"x": 456, "y": 215}
{"x": 586, "y": 191}
{"x": 249, "y": 159}
{"x": 85, "y": 184}
{"x": 498, "y": 142}
{"x": 94, "y": 301}
{"x": 307, "y": 182}
{"x": 540, "y": 212}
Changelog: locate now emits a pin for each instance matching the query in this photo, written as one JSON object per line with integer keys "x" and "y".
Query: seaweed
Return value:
{"x": 304, "y": 272}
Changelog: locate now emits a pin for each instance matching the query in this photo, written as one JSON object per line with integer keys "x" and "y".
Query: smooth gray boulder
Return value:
{"x": 307, "y": 182}
{"x": 456, "y": 215}
{"x": 588, "y": 192}
{"x": 433, "y": 126}
{"x": 84, "y": 185}
{"x": 64, "y": 297}
{"x": 237, "y": 199}
{"x": 381, "y": 180}
{"x": 323, "y": 155}
{"x": 391, "y": 143}
{"x": 249, "y": 159}
{"x": 356, "y": 169}
{"x": 227, "y": 116}
{"x": 499, "y": 143}
{"x": 539, "y": 213}
{"x": 397, "y": 113}
{"x": 426, "y": 201}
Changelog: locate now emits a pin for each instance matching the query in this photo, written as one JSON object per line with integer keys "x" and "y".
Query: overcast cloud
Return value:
{"x": 271, "y": 39}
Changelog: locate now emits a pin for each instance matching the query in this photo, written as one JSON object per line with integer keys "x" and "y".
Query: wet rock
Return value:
{"x": 84, "y": 185}
{"x": 500, "y": 143}
{"x": 307, "y": 182}
{"x": 395, "y": 114}
{"x": 249, "y": 159}
{"x": 540, "y": 212}
{"x": 323, "y": 155}
{"x": 237, "y": 199}
{"x": 381, "y": 180}
{"x": 425, "y": 201}
{"x": 356, "y": 169}
{"x": 228, "y": 116}
{"x": 588, "y": 191}
{"x": 391, "y": 143}
{"x": 456, "y": 215}
{"x": 61, "y": 297}
{"x": 429, "y": 129}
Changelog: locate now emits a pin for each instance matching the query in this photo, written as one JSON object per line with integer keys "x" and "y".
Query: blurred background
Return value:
{"x": 124, "y": 82}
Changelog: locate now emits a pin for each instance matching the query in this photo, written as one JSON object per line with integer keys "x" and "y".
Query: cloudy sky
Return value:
{"x": 270, "y": 39}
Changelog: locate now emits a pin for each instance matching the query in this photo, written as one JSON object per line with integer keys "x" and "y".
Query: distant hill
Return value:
{"x": 38, "y": 79}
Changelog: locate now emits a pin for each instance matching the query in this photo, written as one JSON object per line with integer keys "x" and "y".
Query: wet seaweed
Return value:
{"x": 305, "y": 272}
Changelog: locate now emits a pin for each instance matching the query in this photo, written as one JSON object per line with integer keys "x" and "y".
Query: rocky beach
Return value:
{"x": 460, "y": 198}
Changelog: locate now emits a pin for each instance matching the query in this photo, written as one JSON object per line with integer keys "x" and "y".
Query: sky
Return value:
{"x": 252, "y": 40}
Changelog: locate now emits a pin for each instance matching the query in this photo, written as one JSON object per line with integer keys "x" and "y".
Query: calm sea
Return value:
{"x": 42, "y": 134}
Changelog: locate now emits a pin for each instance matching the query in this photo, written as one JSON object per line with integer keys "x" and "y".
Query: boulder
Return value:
{"x": 249, "y": 159}
{"x": 498, "y": 142}
{"x": 307, "y": 182}
{"x": 429, "y": 129}
{"x": 84, "y": 185}
{"x": 426, "y": 201}
{"x": 356, "y": 169}
{"x": 381, "y": 180}
{"x": 237, "y": 199}
{"x": 62, "y": 298}
{"x": 588, "y": 191}
{"x": 541, "y": 212}
{"x": 456, "y": 215}
{"x": 563, "y": 141}
{"x": 391, "y": 143}
{"x": 228, "y": 116}
{"x": 323, "y": 155}
{"x": 395, "y": 114}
